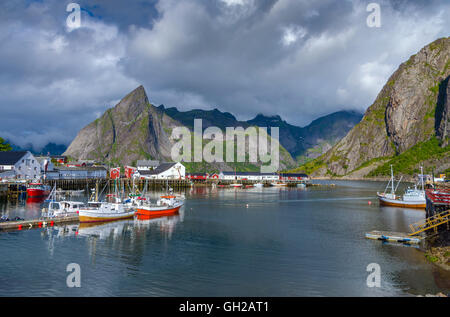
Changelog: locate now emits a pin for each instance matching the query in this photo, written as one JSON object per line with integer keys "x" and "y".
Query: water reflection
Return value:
{"x": 115, "y": 234}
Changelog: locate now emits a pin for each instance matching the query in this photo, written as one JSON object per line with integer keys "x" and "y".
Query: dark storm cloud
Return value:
{"x": 300, "y": 59}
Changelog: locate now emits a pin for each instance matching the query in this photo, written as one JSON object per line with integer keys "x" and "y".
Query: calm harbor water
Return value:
{"x": 226, "y": 242}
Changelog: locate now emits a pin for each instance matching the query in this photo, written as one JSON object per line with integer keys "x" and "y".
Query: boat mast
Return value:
{"x": 392, "y": 180}
{"x": 421, "y": 177}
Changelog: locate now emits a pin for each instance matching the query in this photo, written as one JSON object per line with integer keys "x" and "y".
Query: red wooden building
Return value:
{"x": 114, "y": 173}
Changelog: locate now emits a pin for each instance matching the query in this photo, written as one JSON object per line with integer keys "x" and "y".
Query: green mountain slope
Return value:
{"x": 410, "y": 110}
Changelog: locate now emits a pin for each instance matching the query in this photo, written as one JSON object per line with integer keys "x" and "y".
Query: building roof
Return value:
{"x": 147, "y": 163}
{"x": 81, "y": 168}
{"x": 248, "y": 174}
{"x": 11, "y": 157}
{"x": 293, "y": 175}
{"x": 160, "y": 169}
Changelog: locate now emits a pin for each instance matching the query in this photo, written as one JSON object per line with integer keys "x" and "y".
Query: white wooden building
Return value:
{"x": 81, "y": 172}
{"x": 164, "y": 171}
{"x": 251, "y": 176}
{"x": 19, "y": 165}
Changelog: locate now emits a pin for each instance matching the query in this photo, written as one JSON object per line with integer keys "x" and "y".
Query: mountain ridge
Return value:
{"x": 410, "y": 110}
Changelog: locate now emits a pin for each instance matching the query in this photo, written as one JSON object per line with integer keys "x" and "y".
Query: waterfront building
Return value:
{"x": 250, "y": 176}
{"x": 88, "y": 172}
{"x": 197, "y": 176}
{"x": 293, "y": 177}
{"x": 114, "y": 173}
{"x": 129, "y": 171}
{"x": 19, "y": 165}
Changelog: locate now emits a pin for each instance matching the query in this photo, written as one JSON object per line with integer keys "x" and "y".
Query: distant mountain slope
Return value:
{"x": 407, "y": 125}
{"x": 134, "y": 129}
{"x": 48, "y": 149}
{"x": 314, "y": 139}
{"x": 302, "y": 143}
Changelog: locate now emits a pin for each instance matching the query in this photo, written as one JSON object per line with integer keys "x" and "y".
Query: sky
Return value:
{"x": 299, "y": 59}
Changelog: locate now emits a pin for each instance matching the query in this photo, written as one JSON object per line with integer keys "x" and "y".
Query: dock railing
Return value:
{"x": 430, "y": 223}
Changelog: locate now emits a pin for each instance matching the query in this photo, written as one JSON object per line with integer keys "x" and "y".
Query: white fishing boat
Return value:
{"x": 278, "y": 184}
{"x": 105, "y": 211}
{"x": 96, "y": 211}
{"x": 62, "y": 208}
{"x": 412, "y": 198}
{"x": 259, "y": 185}
{"x": 54, "y": 208}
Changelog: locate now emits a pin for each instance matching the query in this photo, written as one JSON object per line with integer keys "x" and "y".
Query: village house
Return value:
{"x": 19, "y": 165}
{"x": 88, "y": 172}
{"x": 250, "y": 176}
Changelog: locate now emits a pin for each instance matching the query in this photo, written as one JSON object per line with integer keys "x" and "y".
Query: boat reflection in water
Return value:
{"x": 165, "y": 224}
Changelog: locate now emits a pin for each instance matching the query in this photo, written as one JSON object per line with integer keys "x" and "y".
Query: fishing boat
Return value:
{"x": 412, "y": 198}
{"x": 278, "y": 184}
{"x": 54, "y": 208}
{"x": 165, "y": 206}
{"x": 259, "y": 185}
{"x": 236, "y": 185}
{"x": 38, "y": 190}
{"x": 96, "y": 211}
{"x": 62, "y": 208}
{"x": 105, "y": 211}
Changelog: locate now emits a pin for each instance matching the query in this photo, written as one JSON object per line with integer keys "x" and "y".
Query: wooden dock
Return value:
{"x": 37, "y": 223}
{"x": 393, "y": 237}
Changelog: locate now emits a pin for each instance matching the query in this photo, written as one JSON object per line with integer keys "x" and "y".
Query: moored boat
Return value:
{"x": 62, "y": 208}
{"x": 105, "y": 211}
{"x": 38, "y": 190}
{"x": 412, "y": 198}
{"x": 278, "y": 184}
{"x": 165, "y": 206}
{"x": 236, "y": 185}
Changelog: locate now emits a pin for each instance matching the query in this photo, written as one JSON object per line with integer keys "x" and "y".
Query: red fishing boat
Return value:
{"x": 165, "y": 206}
{"x": 38, "y": 190}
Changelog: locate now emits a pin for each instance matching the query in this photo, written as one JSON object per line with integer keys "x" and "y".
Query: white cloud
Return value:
{"x": 292, "y": 34}
{"x": 307, "y": 58}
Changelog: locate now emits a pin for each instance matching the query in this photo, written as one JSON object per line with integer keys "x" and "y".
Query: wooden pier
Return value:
{"x": 392, "y": 237}
{"x": 37, "y": 223}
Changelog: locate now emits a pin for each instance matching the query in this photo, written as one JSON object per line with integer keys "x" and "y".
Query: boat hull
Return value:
{"x": 400, "y": 203}
{"x": 143, "y": 212}
{"x": 34, "y": 192}
{"x": 91, "y": 217}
